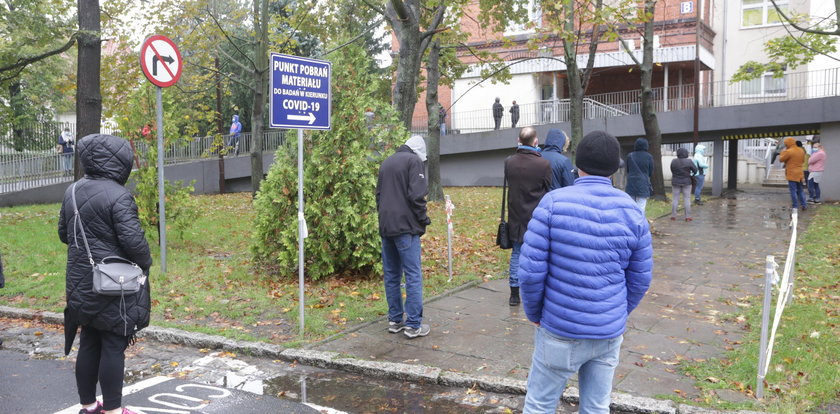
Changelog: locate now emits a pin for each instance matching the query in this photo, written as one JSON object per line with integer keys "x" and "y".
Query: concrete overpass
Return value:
{"x": 476, "y": 159}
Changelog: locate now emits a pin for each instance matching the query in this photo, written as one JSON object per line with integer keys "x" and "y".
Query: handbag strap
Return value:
{"x": 77, "y": 219}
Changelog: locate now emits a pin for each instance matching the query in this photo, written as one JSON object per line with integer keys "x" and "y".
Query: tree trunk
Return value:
{"x": 573, "y": 79}
{"x": 17, "y": 112}
{"x": 432, "y": 108}
{"x": 408, "y": 71}
{"x": 649, "y": 120}
{"x": 260, "y": 86}
{"x": 220, "y": 126}
{"x": 88, "y": 98}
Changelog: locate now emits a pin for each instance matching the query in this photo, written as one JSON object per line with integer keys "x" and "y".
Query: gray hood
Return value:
{"x": 418, "y": 145}
{"x": 700, "y": 150}
{"x": 106, "y": 156}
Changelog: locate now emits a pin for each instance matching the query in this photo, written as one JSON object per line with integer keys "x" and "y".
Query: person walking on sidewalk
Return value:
{"x": 528, "y": 177}
{"x": 682, "y": 171}
{"x": 816, "y": 165}
{"x": 702, "y": 167}
{"x": 586, "y": 263}
{"x": 108, "y": 214}
{"x": 561, "y": 168}
{"x": 401, "y": 202}
{"x": 793, "y": 157}
{"x": 639, "y": 166}
{"x": 498, "y": 113}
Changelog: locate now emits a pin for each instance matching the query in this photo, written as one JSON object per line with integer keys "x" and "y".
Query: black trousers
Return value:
{"x": 101, "y": 359}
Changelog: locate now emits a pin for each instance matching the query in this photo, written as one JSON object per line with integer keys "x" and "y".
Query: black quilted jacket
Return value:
{"x": 109, "y": 215}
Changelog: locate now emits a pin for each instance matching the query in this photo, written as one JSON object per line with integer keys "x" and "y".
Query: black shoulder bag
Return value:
{"x": 502, "y": 236}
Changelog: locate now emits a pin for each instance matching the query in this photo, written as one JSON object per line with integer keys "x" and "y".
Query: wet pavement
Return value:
{"x": 32, "y": 358}
{"x": 703, "y": 270}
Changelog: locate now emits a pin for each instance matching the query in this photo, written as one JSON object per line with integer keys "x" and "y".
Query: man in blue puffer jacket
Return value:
{"x": 585, "y": 265}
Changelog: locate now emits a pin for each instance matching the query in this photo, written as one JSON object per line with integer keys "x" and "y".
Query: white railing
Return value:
{"x": 28, "y": 169}
{"x": 792, "y": 86}
{"x": 785, "y": 286}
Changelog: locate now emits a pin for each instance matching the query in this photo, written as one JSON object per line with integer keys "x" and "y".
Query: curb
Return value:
{"x": 390, "y": 370}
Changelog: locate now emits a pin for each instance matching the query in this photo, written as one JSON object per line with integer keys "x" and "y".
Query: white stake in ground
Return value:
{"x": 449, "y": 208}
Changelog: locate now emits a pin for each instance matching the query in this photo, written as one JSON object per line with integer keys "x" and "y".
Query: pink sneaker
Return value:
{"x": 96, "y": 410}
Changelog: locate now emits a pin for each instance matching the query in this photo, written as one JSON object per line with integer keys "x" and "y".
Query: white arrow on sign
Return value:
{"x": 310, "y": 118}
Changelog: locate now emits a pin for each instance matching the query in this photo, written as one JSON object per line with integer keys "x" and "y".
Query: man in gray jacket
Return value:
{"x": 401, "y": 202}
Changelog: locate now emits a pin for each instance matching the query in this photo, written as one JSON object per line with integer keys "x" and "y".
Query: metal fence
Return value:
{"x": 785, "y": 286}
{"x": 791, "y": 86}
{"x": 21, "y": 170}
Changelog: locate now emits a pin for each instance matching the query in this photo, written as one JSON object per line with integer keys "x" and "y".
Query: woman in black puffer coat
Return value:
{"x": 109, "y": 215}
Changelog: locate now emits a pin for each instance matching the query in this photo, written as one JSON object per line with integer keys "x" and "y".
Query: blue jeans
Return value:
{"x": 401, "y": 255}
{"x": 442, "y": 128}
{"x": 513, "y": 270}
{"x": 699, "y": 187}
{"x": 795, "y": 188}
{"x": 555, "y": 360}
{"x": 67, "y": 158}
{"x": 814, "y": 189}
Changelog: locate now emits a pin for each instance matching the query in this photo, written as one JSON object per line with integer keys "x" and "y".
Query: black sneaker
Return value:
{"x": 699, "y": 202}
{"x": 96, "y": 410}
{"x": 395, "y": 327}
{"x": 412, "y": 333}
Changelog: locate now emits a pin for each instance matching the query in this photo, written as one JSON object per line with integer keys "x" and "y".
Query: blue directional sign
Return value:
{"x": 300, "y": 92}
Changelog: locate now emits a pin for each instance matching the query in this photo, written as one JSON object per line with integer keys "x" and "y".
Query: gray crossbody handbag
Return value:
{"x": 113, "y": 275}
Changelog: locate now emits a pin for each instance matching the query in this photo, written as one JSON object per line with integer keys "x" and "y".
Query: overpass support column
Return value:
{"x": 732, "y": 174}
{"x": 717, "y": 167}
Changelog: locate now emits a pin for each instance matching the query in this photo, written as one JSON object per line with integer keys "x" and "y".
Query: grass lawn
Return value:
{"x": 211, "y": 286}
{"x": 805, "y": 366}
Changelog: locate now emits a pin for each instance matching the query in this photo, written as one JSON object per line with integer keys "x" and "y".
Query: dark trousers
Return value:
{"x": 101, "y": 359}
{"x": 498, "y": 122}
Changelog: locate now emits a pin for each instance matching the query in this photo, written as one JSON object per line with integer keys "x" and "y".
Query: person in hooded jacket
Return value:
{"x": 639, "y": 166}
{"x": 235, "y": 133}
{"x": 401, "y": 202}
{"x": 561, "y": 168}
{"x": 108, "y": 213}
{"x": 794, "y": 157}
{"x": 702, "y": 166}
{"x": 682, "y": 169}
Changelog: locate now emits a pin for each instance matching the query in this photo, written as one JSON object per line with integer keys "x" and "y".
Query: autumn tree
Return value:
{"x": 807, "y": 37}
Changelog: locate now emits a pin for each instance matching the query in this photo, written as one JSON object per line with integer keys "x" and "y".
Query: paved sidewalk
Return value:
{"x": 702, "y": 269}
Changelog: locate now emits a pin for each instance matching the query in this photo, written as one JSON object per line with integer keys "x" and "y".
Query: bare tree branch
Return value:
{"x": 375, "y": 8}
{"x": 593, "y": 48}
{"x": 236, "y": 62}
{"x": 25, "y": 61}
{"x": 436, "y": 21}
{"x": 226, "y": 75}
{"x": 355, "y": 38}
{"x": 235, "y": 46}
{"x": 805, "y": 29}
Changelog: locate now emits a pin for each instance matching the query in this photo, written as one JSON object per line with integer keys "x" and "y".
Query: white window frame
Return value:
{"x": 534, "y": 11}
{"x": 763, "y": 84}
{"x": 766, "y": 6}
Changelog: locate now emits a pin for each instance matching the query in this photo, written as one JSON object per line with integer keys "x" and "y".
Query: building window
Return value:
{"x": 534, "y": 11}
{"x": 755, "y": 13}
{"x": 766, "y": 85}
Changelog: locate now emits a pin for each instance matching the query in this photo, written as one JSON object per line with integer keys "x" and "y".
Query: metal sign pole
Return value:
{"x": 161, "y": 193}
{"x": 302, "y": 231}
{"x": 449, "y": 208}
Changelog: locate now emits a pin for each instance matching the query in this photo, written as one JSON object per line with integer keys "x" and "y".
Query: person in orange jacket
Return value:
{"x": 793, "y": 157}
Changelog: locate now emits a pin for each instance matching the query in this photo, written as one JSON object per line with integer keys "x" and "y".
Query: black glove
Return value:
{"x": 426, "y": 222}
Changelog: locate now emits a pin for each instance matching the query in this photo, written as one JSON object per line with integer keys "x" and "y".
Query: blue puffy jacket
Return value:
{"x": 587, "y": 260}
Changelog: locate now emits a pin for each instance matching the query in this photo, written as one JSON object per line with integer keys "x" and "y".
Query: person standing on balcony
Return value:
{"x": 498, "y": 113}
{"x": 514, "y": 114}
{"x": 700, "y": 177}
{"x": 235, "y": 132}
{"x": 67, "y": 143}
{"x": 528, "y": 177}
{"x": 816, "y": 164}
{"x": 442, "y": 120}
{"x": 561, "y": 167}
{"x": 793, "y": 157}
{"x": 639, "y": 166}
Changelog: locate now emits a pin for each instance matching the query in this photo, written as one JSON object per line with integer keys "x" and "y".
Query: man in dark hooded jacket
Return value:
{"x": 561, "y": 167}
{"x": 401, "y": 202}
{"x": 107, "y": 214}
{"x": 639, "y": 170}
